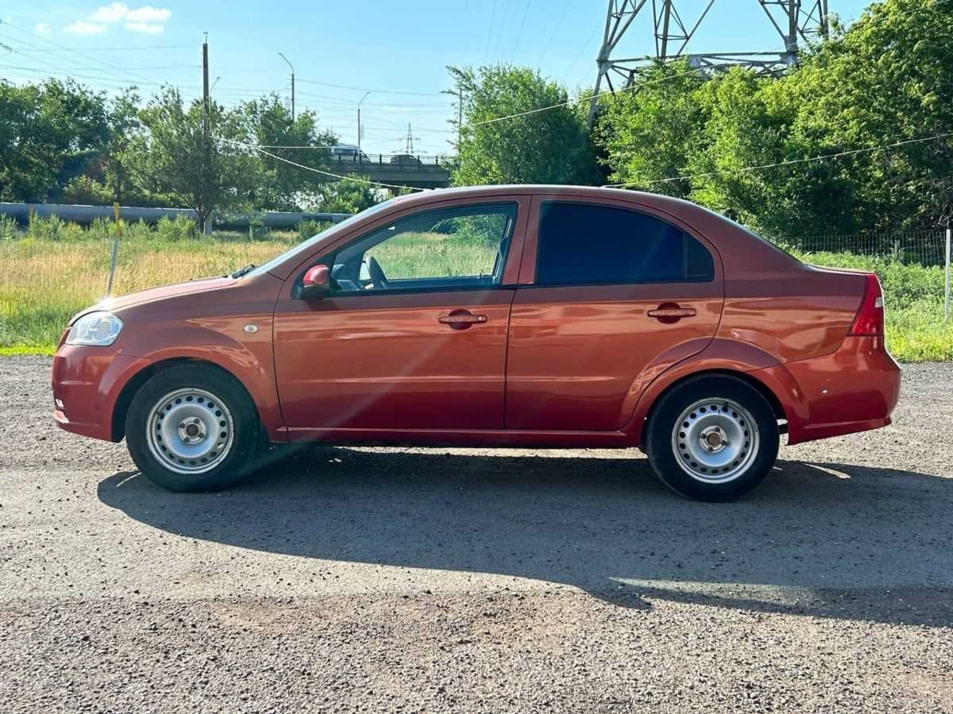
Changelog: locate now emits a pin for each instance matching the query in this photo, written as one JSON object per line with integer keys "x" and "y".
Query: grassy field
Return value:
{"x": 56, "y": 269}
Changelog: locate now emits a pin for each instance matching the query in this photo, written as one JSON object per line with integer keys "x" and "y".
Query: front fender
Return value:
{"x": 224, "y": 343}
{"x": 721, "y": 355}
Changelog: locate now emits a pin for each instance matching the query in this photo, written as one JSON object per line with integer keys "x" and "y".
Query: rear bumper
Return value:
{"x": 853, "y": 389}
{"x": 86, "y": 384}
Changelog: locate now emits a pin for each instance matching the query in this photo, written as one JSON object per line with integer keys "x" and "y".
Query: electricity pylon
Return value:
{"x": 794, "y": 20}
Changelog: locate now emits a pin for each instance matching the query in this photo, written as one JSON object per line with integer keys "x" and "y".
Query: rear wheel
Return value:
{"x": 712, "y": 438}
{"x": 192, "y": 428}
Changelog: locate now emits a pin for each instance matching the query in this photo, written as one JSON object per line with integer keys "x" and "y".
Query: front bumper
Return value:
{"x": 87, "y": 382}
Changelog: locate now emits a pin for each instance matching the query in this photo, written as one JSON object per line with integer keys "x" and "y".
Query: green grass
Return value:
{"x": 54, "y": 269}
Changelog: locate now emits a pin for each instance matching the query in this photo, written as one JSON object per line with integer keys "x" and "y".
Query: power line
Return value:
{"x": 747, "y": 169}
{"x": 519, "y": 34}
{"x": 111, "y": 49}
{"x": 489, "y": 35}
{"x": 63, "y": 47}
{"x": 365, "y": 89}
{"x": 549, "y": 40}
{"x": 260, "y": 150}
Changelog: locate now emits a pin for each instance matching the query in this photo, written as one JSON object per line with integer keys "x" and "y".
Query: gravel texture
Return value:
{"x": 410, "y": 580}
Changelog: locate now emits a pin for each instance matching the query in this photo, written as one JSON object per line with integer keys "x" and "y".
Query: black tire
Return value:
{"x": 244, "y": 445}
{"x": 664, "y": 424}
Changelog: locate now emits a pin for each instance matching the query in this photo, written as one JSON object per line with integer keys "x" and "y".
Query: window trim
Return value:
{"x": 543, "y": 201}
{"x": 511, "y": 202}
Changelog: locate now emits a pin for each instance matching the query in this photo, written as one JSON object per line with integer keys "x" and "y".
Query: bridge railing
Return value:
{"x": 402, "y": 160}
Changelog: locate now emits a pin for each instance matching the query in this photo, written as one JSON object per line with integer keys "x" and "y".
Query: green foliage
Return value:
{"x": 309, "y": 228}
{"x": 279, "y": 185}
{"x": 49, "y": 133}
{"x": 544, "y": 147}
{"x": 351, "y": 195}
{"x": 886, "y": 79}
{"x": 180, "y": 157}
{"x": 8, "y": 228}
{"x": 648, "y": 135}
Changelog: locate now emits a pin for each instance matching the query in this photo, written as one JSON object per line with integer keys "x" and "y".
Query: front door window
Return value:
{"x": 458, "y": 248}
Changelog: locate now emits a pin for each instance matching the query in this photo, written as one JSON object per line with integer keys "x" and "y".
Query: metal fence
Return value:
{"x": 925, "y": 247}
{"x": 404, "y": 160}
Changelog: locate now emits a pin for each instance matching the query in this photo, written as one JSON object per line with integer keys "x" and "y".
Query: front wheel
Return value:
{"x": 192, "y": 428}
{"x": 712, "y": 438}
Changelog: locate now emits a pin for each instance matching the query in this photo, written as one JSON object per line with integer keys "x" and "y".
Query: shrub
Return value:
{"x": 309, "y": 228}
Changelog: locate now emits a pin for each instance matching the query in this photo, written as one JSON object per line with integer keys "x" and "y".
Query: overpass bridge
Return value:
{"x": 411, "y": 170}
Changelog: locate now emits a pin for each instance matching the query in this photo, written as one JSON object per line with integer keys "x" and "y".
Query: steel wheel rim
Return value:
{"x": 715, "y": 440}
{"x": 190, "y": 431}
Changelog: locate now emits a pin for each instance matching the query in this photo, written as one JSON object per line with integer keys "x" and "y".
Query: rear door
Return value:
{"x": 610, "y": 294}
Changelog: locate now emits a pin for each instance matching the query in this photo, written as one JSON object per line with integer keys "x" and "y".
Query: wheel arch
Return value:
{"x": 648, "y": 410}
{"x": 135, "y": 383}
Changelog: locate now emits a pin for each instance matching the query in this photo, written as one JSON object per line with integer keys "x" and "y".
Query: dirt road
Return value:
{"x": 464, "y": 580}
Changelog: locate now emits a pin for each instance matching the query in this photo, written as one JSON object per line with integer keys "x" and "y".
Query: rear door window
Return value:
{"x": 590, "y": 244}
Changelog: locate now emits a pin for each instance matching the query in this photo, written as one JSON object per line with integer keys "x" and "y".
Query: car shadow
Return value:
{"x": 826, "y": 540}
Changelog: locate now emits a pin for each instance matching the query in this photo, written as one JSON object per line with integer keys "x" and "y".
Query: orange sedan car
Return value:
{"x": 532, "y": 316}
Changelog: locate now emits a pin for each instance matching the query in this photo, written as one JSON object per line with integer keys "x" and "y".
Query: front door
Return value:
{"x": 613, "y": 296}
{"x": 413, "y": 333}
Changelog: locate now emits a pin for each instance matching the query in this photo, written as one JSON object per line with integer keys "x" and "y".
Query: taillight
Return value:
{"x": 869, "y": 321}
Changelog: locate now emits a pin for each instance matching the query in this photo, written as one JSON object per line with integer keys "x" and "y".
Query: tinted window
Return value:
{"x": 581, "y": 244}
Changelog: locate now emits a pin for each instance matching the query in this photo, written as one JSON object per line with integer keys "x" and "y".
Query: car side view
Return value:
{"x": 531, "y": 316}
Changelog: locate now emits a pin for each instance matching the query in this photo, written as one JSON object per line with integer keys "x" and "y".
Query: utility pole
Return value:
{"x": 459, "y": 118}
{"x": 281, "y": 54}
{"x": 359, "y": 123}
{"x": 205, "y": 90}
{"x": 206, "y": 127}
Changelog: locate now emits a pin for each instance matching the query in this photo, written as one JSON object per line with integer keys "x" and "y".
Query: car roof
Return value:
{"x": 668, "y": 203}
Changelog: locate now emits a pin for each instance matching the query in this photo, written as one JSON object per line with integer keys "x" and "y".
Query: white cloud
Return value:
{"x": 145, "y": 27}
{"x": 110, "y": 13}
{"x": 137, "y": 16}
{"x": 147, "y": 13}
{"x": 42, "y": 29}
{"x": 85, "y": 28}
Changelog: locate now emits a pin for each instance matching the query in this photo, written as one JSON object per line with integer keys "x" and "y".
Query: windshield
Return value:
{"x": 302, "y": 249}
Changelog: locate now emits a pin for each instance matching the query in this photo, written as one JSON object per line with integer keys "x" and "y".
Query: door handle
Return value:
{"x": 462, "y": 319}
{"x": 670, "y": 312}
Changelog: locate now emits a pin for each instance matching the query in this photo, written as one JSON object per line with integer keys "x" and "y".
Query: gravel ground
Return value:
{"x": 406, "y": 580}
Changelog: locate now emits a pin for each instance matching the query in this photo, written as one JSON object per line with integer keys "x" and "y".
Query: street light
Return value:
{"x": 281, "y": 54}
{"x": 359, "y": 122}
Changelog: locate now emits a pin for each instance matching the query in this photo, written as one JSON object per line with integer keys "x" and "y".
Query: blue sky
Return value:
{"x": 384, "y": 46}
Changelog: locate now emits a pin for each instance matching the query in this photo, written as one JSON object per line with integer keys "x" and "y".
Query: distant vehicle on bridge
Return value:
{"x": 406, "y": 160}
{"x": 348, "y": 152}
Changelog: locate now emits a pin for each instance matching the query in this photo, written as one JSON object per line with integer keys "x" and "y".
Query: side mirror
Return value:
{"x": 316, "y": 281}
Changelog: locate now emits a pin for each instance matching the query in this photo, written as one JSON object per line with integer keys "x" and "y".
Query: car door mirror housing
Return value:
{"x": 316, "y": 282}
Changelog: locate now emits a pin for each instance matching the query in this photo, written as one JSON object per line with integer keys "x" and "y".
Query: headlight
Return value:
{"x": 96, "y": 328}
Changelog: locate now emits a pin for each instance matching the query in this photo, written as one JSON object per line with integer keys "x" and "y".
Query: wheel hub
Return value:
{"x": 192, "y": 430}
{"x": 713, "y": 438}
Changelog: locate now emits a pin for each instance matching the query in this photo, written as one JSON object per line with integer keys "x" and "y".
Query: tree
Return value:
{"x": 650, "y": 129}
{"x": 49, "y": 133}
{"x": 177, "y": 156}
{"x": 550, "y": 146}
{"x": 280, "y": 185}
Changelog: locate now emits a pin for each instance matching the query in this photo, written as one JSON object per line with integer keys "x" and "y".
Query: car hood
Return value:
{"x": 116, "y": 304}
